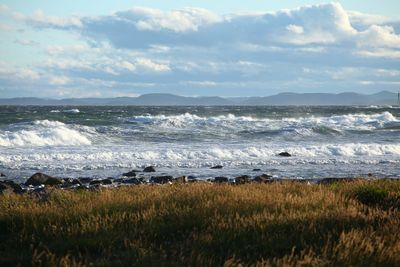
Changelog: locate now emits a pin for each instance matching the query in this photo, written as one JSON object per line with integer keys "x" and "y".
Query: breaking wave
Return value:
{"x": 230, "y": 121}
{"x": 45, "y": 133}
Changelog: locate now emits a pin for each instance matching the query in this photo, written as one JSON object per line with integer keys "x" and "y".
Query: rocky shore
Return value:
{"x": 38, "y": 182}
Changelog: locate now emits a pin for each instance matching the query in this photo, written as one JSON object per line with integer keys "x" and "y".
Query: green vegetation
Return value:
{"x": 278, "y": 224}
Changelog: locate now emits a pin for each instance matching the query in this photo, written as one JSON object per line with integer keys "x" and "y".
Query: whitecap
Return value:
{"x": 74, "y": 110}
{"x": 45, "y": 133}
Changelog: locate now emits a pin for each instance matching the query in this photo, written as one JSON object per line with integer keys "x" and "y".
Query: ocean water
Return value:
{"x": 106, "y": 141}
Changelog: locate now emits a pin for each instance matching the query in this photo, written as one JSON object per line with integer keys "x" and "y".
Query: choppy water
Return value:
{"x": 105, "y": 141}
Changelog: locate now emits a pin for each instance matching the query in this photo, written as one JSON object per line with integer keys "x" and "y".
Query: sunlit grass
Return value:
{"x": 279, "y": 224}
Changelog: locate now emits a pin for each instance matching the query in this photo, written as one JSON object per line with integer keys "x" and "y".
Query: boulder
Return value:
{"x": 85, "y": 180}
{"x": 256, "y": 170}
{"x": 131, "y": 181}
{"x": 76, "y": 182}
{"x": 70, "y": 181}
{"x": 103, "y": 182}
{"x": 263, "y": 178}
{"x": 161, "y": 179}
{"x": 2, "y": 174}
{"x": 119, "y": 180}
{"x": 149, "y": 169}
{"x": 243, "y": 179}
{"x": 9, "y": 186}
{"x": 95, "y": 182}
{"x": 221, "y": 179}
{"x": 284, "y": 154}
{"x": 130, "y": 173}
{"x": 41, "y": 178}
{"x": 216, "y": 167}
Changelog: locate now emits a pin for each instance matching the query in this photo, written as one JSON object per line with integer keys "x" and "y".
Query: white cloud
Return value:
{"x": 379, "y": 53}
{"x": 27, "y": 74}
{"x": 188, "y": 19}
{"x": 366, "y": 19}
{"x": 59, "y": 80}
{"x": 139, "y": 27}
{"x": 148, "y": 64}
{"x": 379, "y": 36}
{"x": 41, "y": 20}
{"x": 311, "y": 47}
{"x": 128, "y": 66}
{"x": 13, "y": 73}
{"x": 295, "y": 29}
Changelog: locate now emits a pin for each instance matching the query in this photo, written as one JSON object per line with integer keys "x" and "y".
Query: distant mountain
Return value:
{"x": 381, "y": 98}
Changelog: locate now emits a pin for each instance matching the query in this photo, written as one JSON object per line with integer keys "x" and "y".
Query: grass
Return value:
{"x": 278, "y": 224}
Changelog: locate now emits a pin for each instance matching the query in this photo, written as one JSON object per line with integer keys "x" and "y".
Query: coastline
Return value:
{"x": 39, "y": 181}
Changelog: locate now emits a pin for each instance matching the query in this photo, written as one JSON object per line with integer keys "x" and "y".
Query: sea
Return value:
{"x": 106, "y": 141}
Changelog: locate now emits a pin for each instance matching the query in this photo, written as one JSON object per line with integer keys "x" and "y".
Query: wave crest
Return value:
{"x": 44, "y": 133}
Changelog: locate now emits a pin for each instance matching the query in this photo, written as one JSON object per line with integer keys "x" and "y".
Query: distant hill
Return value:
{"x": 381, "y": 98}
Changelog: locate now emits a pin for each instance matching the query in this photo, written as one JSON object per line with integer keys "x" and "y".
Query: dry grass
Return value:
{"x": 279, "y": 224}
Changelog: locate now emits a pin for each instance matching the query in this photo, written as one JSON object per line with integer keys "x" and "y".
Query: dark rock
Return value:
{"x": 284, "y": 154}
{"x": 95, "y": 182}
{"x": 103, "y": 182}
{"x": 106, "y": 181}
{"x": 180, "y": 180}
{"x": 132, "y": 181}
{"x": 70, "y": 181}
{"x": 119, "y": 180}
{"x": 85, "y": 180}
{"x": 76, "y": 182}
{"x": 242, "y": 179}
{"x": 2, "y": 174}
{"x": 216, "y": 167}
{"x": 130, "y": 173}
{"x": 10, "y": 186}
{"x": 191, "y": 177}
{"x": 256, "y": 170}
{"x": 41, "y": 178}
{"x": 161, "y": 179}
{"x": 263, "y": 178}
{"x": 149, "y": 169}
{"x": 221, "y": 179}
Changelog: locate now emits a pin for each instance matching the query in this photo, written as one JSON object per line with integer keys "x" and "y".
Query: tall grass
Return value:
{"x": 279, "y": 224}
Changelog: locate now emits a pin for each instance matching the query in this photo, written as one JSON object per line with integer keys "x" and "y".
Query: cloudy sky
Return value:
{"x": 104, "y": 48}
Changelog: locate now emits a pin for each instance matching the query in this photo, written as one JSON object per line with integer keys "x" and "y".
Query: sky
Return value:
{"x": 62, "y": 49}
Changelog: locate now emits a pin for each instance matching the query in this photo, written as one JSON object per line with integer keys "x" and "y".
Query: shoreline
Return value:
{"x": 149, "y": 176}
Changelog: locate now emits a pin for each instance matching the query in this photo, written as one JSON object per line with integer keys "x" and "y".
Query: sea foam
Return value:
{"x": 44, "y": 133}
{"x": 231, "y": 124}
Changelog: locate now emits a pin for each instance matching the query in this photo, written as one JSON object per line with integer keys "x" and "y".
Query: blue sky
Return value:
{"x": 249, "y": 48}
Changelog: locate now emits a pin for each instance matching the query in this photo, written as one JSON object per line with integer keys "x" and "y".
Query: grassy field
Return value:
{"x": 278, "y": 224}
